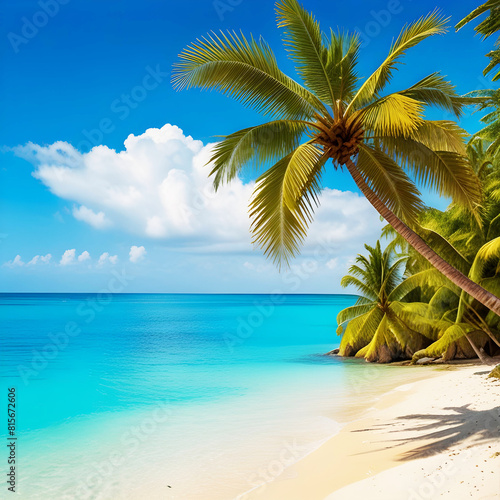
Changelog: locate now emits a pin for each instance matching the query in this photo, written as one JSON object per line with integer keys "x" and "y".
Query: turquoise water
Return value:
{"x": 168, "y": 396}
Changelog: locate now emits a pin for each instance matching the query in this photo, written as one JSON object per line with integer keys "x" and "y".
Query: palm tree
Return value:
{"x": 334, "y": 116}
{"x": 373, "y": 328}
{"x": 488, "y": 27}
{"x": 472, "y": 247}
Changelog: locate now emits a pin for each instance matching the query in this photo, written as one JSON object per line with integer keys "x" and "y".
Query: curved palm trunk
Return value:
{"x": 486, "y": 360}
{"x": 478, "y": 292}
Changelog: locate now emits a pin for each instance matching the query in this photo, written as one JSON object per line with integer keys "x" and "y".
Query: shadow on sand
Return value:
{"x": 438, "y": 433}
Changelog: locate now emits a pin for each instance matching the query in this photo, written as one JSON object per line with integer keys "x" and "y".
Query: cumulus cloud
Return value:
{"x": 105, "y": 257}
{"x": 97, "y": 220}
{"x": 84, "y": 256}
{"x": 136, "y": 253}
{"x": 44, "y": 259}
{"x": 16, "y": 262}
{"x": 34, "y": 260}
{"x": 68, "y": 257}
{"x": 158, "y": 187}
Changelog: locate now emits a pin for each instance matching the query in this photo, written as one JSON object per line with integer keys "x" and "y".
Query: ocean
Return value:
{"x": 160, "y": 396}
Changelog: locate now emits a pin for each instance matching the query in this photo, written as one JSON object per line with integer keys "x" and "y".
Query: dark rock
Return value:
{"x": 334, "y": 352}
{"x": 439, "y": 361}
{"x": 425, "y": 361}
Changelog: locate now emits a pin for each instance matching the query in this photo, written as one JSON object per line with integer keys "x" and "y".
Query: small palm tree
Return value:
{"x": 373, "y": 328}
{"x": 334, "y": 119}
{"x": 487, "y": 27}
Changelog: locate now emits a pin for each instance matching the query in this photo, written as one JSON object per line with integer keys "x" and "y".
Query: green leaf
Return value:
{"x": 284, "y": 200}
{"x": 411, "y": 35}
{"x": 434, "y": 90}
{"x": 343, "y": 53}
{"x": 389, "y": 182}
{"x": 359, "y": 332}
{"x": 255, "y": 146}
{"x": 304, "y": 41}
{"x": 395, "y": 114}
{"x": 246, "y": 70}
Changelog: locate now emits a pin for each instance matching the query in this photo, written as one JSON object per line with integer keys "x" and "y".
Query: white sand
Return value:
{"x": 435, "y": 438}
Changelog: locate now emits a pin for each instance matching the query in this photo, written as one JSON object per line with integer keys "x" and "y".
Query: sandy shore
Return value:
{"x": 434, "y": 438}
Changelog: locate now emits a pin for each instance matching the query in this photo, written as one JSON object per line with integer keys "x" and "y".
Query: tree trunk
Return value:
{"x": 473, "y": 289}
{"x": 486, "y": 360}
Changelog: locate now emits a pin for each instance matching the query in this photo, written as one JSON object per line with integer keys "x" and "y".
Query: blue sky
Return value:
{"x": 91, "y": 73}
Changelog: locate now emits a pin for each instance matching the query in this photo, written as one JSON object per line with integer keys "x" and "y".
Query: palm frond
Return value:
{"x": 484, "y": 29}
{"x": 359, "y": 332}
{"x": 418, "y": 316}
{"x": 445, "y": 249}
{"x": 494, "y": 57}
{"x": 429, "y": 277}
{"x": 349, "y": 313}
{"x": 395, "y": 114}
{"x": 411, "y": 35}
{"x": 441, "y": 135}
{"x": 246, "y": 70}
{"x": 436, "y": 91}
{"x": 452, "y": 334}
{"x": 254, "y": 146}
{"x": 362, "y": 287}
{"x": 449, "y": 172}
{"x": 343, "y": 52}
{"x": 386, "y": 178}
{"x": 381, "y": 337}
{"x": 487, "y": 253}
{"x": 304, "y": 41}
{"x": 284, "y": 200}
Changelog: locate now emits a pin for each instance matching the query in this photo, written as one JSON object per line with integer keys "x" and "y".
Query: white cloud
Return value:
{"x": 105, "y": 257}
{"x": 332, "y": 264}
{"x": 68, "y": 257}
{"x": 44, "y": 259}
{"x": 17, "y": 262}
{"x": 158, "y": 187}
{"x": 84, "y": 256}
{"x": 97, "y": 220}
{"x": 34, "y": 260}
{"x": 136, "y": 253}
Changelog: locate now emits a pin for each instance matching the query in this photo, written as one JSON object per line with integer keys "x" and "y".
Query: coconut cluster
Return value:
{"x": 341, "y": 140}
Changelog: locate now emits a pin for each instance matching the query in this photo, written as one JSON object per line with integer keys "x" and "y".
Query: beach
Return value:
{"x": 205, "y": 414}
{"x": 435, "y": 438}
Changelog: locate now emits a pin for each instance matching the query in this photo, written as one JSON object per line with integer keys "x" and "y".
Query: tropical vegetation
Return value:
{"x": 333, "y": 118}
{"x": 454, "y": 324}
{"x": 433, "y": 291}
